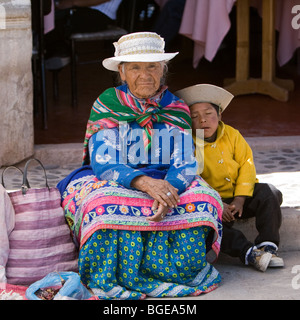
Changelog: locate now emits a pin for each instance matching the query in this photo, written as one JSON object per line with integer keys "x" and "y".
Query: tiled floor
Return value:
{"x": 285, "y": 160}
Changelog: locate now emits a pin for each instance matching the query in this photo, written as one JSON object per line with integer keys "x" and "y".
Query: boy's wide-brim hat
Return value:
{"x": 205, "y": 93}
{"x": 138, "y": 47}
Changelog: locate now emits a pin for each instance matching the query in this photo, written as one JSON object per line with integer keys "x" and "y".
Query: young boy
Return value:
{"x": 229, "y": 169}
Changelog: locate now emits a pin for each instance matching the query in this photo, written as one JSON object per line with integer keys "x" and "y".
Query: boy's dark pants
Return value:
{"x": 264, "y": 205}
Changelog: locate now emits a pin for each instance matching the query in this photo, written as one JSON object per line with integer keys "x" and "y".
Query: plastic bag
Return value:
{"x": 67, "y": 285}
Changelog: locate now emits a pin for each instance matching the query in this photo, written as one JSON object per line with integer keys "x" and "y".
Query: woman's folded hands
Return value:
{"x": 164, "y": 194}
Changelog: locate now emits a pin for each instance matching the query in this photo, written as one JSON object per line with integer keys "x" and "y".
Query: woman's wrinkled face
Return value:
{"x": 205, "y": 116}
{"x": 143, "y": 78}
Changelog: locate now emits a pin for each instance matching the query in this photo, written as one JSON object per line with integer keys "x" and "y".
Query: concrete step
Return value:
{"x": 289, "y": 231}
{"x": 59, "y": 154}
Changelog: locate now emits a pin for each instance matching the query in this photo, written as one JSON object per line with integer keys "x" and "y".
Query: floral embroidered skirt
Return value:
{"x": 134, "y": 264}
{"x": 124, "y": 256}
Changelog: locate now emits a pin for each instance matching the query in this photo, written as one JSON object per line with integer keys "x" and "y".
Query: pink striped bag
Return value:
{"x": 40, "y": 242}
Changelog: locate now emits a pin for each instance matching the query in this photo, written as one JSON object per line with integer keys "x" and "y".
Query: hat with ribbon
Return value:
{"x": 205, "y": 93}
{"x": 138, "y": 47}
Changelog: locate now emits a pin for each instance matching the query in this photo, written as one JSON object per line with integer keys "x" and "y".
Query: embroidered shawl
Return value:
{"x": 115, "y": 105}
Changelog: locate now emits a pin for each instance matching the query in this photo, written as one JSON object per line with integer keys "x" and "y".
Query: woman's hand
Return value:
{"x": 160, "y": 190}
{"x": 159, "y": 214}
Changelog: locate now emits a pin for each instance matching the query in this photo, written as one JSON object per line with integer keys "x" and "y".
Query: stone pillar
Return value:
{"x": 16, "y": 102}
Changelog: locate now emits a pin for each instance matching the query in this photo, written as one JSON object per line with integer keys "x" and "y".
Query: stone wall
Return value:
{"x": 16, "y": 105}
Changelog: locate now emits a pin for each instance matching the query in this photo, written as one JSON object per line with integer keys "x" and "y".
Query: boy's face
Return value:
{"x": 204, "y": 116}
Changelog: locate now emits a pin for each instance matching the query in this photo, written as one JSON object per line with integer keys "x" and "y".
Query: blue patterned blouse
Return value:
{"x": 118, "y": 154}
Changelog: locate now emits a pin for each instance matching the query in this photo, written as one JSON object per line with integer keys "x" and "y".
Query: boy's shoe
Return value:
{"x": 259, "y": 259}
{"x": 276, "y": 261}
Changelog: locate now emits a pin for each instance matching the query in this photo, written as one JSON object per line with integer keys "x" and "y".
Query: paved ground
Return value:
{"x": 281, "y": 167}
{"x": 244, "y": 283}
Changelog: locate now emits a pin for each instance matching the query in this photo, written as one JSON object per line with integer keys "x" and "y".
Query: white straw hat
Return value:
{"x": 138, "y": 47}
{"x": 205, "y": 93}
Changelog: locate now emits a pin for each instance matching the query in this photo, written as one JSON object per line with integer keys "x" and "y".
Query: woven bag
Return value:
{"x": 40, "y": 242}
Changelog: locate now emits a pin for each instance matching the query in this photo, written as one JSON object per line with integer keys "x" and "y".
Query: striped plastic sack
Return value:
{"x": 40, "y": 242}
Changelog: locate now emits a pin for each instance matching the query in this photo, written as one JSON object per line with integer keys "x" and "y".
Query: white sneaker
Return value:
{"x": 259, "y": 259}
{"x": 276, "y": 261}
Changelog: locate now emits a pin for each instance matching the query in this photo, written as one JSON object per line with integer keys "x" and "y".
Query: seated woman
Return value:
{"x": 145, "y": 224}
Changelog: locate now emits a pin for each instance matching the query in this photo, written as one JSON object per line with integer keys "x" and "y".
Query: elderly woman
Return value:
{"x": 144, "y": 222}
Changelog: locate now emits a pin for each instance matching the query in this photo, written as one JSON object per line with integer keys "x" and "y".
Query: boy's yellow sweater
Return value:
{"x": 228, "y": 163}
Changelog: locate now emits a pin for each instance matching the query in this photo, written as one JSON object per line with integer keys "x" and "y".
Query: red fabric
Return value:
{"x": 11, "y": 287}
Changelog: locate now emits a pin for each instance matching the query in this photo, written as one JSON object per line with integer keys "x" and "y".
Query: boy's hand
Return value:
{"x": 235, "y": 207}
{"x": 227, "y": 213}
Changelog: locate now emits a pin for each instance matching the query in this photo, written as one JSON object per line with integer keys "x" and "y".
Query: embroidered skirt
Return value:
{"x": 122, "y": 255}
